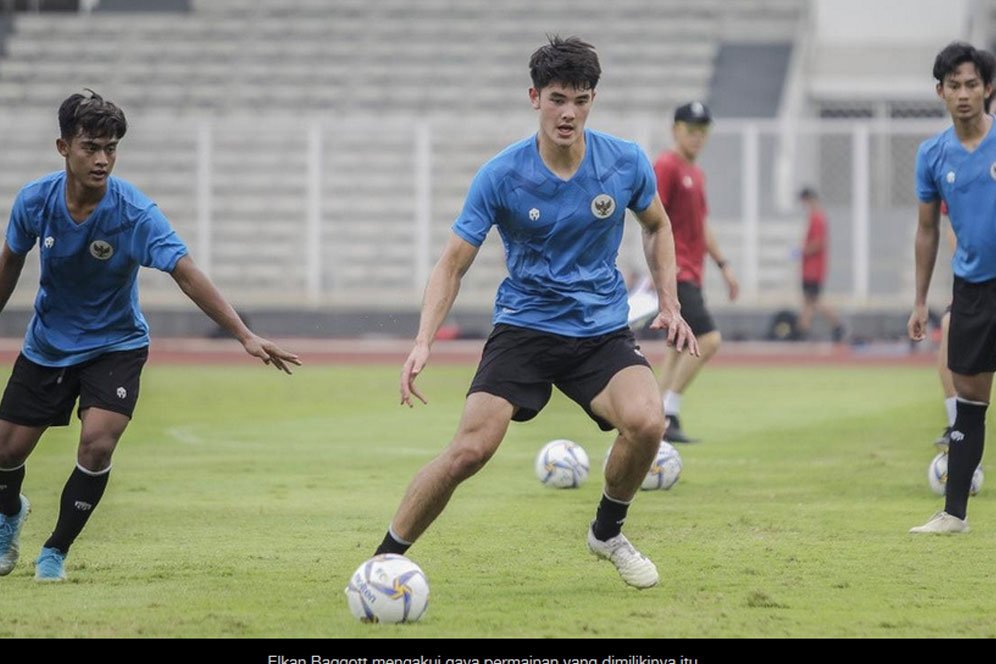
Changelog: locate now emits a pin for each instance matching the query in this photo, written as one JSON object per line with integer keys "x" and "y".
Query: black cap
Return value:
{"x": 694, "y": 112}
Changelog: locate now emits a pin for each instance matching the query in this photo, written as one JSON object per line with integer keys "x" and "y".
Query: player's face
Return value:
{"x": 689, "y": 139}
{"x": 89, "y": 160}
{"x": 964, "y": 93}
{"x": 563, "y": 112}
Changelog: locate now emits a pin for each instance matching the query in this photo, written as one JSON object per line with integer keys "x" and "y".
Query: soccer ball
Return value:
{"x": 562, "y": 464}
{"x": 937, "y": 475}
{"x": 665, "y": 470}
{"x": 388, "y": 588}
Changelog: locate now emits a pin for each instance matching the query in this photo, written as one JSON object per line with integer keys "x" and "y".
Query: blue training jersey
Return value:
{"x": 561, "y": 237}
{"x": 87, "y": 301}
{"x": 966, "y": 181}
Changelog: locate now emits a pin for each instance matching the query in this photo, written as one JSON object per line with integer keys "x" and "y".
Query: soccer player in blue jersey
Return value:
{"x": 87, "y": 339}
{"x": 958, "y": 166}
{"x": 558, "y": 199}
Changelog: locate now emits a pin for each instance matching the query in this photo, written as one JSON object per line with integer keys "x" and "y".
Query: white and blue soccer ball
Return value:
{"x": 937, "y": 475}
{"x": 388, "y": 588}
{"x": 665, "y": 470}
{"x": 562, "y": 464}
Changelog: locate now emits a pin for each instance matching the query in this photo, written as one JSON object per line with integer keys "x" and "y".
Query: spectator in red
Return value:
{"x": 814, "y": 268}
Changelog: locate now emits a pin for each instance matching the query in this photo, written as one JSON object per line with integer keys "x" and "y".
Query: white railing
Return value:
{"x": 352, "y": 212}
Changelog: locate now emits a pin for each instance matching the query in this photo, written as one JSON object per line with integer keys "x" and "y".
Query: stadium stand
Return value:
{"x": 315, "y": 158}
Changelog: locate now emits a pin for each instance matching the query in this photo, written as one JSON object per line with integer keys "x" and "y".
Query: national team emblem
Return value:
{"x": 951, "y": 176}
{"x": 602, "y": 206}
{"x": 534, "y": 215}
{"x": 687, "y": 182}
{"x": 992, "y": 170}
{"x": 101, "y": 250}
{"x": 49, "y": 241}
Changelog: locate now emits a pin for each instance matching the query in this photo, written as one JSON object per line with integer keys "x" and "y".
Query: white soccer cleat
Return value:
{"x": 944, "y": 524}
{"x": 635, "y": 568}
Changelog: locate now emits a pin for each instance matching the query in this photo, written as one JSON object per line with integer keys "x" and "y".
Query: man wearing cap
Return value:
{"x": 681, "y": 185}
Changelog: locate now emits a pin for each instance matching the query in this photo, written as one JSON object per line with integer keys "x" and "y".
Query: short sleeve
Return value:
{"x": 21, "y": 232}
{"x": 645, "y": 185}
{"x": 926, "y": 187}
{"x": 155, "y": 243}
{"x": 480, "y": 209}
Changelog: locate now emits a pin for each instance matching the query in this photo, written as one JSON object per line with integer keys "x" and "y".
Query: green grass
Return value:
{"x": 241, "y": 500}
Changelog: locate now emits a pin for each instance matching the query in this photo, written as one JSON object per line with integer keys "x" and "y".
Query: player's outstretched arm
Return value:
{"x": 440, "y": 293}
{"x": 196, "y": 285}
{"x": 11, "y": 265}
{"x": 927, "y": 240}
{"x": 658, "y": 248}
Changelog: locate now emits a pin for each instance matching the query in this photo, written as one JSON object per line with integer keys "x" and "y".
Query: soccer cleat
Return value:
{"x": 944, "y": 440}
{"x": 51, "y": 565}
{"x": 10, "y": 533}
{"x": 674, "y": 434}
{"x": 635, "y": 568}
{"x": 943, "y": 523}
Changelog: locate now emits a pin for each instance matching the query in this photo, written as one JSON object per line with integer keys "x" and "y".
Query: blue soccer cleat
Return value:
{"x": 51, "y": 565}
{"x": 10, "y": 533}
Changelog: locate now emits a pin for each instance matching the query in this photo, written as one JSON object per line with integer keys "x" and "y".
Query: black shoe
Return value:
{"x": 944, "y": 440}
{"x": 674, "y": 434}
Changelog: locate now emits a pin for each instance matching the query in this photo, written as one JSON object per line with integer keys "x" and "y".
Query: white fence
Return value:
{"x": 351, "y": 212}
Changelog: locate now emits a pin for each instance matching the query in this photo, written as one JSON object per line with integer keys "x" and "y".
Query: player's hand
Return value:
{"x": 917, "y": 325}
{"x": 679, "y": 334}
{"x": 416, "y": 361}
{"x": 270, "y": 353}
{"x": 732, "y": 285}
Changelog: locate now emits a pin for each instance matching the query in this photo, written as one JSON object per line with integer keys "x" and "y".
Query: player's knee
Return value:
{"x": 95, "y": 452}
{"x": 645, "y": 428}
{"x": 12, "y": 455}
{"x": 466, "y": 460}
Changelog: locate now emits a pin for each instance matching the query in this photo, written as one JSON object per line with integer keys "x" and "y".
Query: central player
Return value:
{"x": 558, "y": 199}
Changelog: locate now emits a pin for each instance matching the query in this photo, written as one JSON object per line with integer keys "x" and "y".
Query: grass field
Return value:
{"x": 241, "y": 500}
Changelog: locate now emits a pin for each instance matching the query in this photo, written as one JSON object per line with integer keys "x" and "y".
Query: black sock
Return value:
{"x": 609, "y": 518}
{"x": 964, "y": 454}
{"x": 10, "y": 490}
{"x": 392, "y": 544}
{"x": 79, "y": 498}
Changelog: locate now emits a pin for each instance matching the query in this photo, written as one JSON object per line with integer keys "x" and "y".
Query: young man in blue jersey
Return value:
{"x": 558, "y": 199}
{"x": 958, "y": 166}
{"x": 87, "y": 339}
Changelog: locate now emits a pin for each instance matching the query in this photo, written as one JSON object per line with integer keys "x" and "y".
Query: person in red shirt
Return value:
{"x": 681, "y": 185}
{"x": 814, "y": 268}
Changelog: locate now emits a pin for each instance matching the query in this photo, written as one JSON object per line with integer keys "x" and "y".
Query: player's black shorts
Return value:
{"x": 521, "y": 366}
{"x": 693, "y": 308}
{"x": 37, "y": 395}
{"x": 972, "y": 334}
{"x": 812, "y": 289}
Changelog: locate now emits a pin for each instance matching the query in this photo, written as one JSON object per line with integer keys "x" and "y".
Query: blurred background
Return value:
{"x": 313, "y": 153}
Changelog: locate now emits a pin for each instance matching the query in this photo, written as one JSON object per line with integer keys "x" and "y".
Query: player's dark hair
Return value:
{"x": 92, "y": 115}
{"x": 807, "y": 194}
{"x": 957, "y": 53}
{"x": 571, "y": 62}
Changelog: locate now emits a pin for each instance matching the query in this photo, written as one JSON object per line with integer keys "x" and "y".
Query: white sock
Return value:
{"x": 672, "y": 403}
{"x": 951, "y": 406}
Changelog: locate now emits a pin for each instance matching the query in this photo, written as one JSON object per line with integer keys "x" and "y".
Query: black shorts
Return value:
{"x": 972, "y": 334}
{"x": 37, "y": 395}
{"x": 812, "y": 289}
{"x": 693, "y": 308}
{"x": 521, "y": 366}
